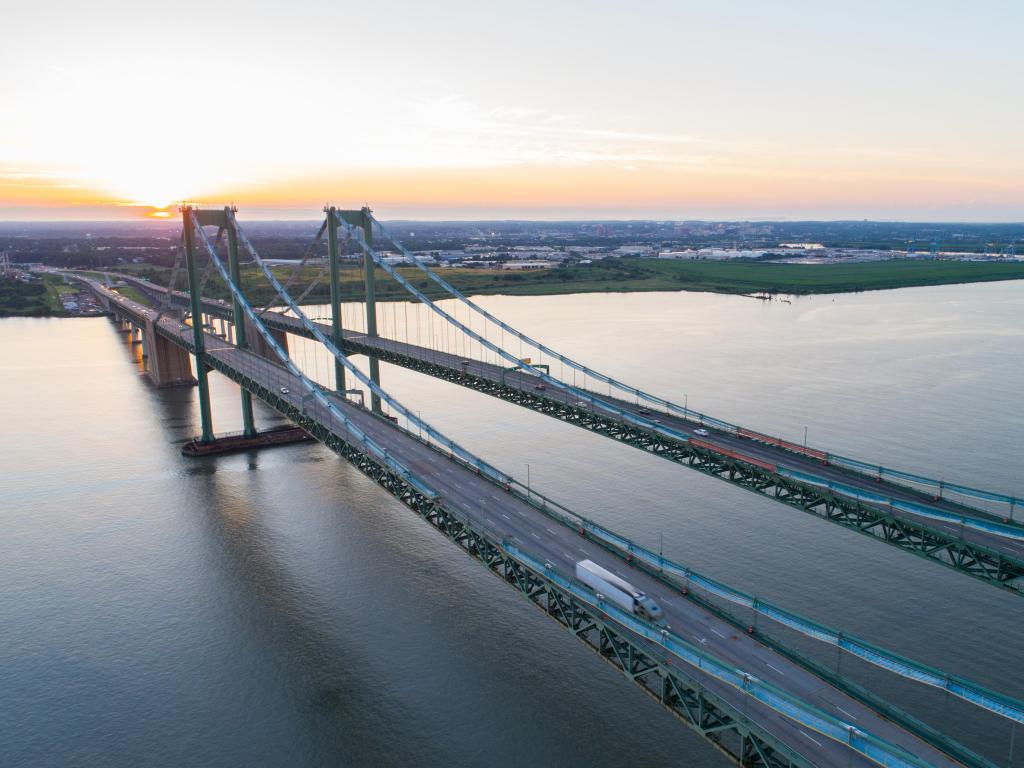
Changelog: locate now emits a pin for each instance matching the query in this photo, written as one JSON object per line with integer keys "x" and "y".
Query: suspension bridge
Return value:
{"x": 755, "y": 700}
{"x": 936, "y": 520}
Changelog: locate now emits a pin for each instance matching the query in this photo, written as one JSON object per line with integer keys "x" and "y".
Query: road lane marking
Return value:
{"x": 535, "y": 536}
{"x": 845, "y": 712}
{"x": 812, "y": 739}
{"x": 550, "y": 531}
{"x": 718, "y": 633}
{"x": 581, "y": 549}
{"x": 505, "y": 516}
{"x": 776, "y": 669}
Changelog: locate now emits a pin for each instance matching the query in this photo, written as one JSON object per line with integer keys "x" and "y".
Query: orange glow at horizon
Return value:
{"x": 545, "y": 190}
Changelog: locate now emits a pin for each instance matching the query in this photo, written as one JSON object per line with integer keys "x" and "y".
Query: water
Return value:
{"x": 279, "y": 609}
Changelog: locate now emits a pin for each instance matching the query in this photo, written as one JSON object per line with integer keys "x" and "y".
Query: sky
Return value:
{"x": 547, "y": 110}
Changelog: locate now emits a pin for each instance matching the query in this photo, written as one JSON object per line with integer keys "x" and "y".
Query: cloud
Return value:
{"x": 451, "y": 130}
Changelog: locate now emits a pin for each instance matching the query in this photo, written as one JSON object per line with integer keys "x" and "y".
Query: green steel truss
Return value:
{"x": 918, "y": 538}
{"x": 954, "y": 552}
{"x": 674, "y": 687}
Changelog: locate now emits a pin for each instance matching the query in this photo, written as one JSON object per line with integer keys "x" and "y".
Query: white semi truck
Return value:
{"x": 619, "y": 591}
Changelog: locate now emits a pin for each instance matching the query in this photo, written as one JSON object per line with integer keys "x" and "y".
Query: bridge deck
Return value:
{"x": 534, "y": 532}
{"x": 746, "y": 446}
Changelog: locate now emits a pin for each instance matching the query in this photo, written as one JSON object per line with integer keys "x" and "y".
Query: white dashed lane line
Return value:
{"x": 810, "y": 738}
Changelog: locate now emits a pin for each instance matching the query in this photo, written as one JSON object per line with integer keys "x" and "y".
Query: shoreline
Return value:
{"x": 571, "y": 287}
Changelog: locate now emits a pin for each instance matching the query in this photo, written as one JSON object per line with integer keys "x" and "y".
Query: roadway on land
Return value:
{"x": 506, "y": 515}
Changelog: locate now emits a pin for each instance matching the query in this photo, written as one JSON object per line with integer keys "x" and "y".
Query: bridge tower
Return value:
{"x": 196, "y": 306}
{"x": 364, "y": 221}
{"x": 238, "y": 315}
{"x": 336, "y": 329}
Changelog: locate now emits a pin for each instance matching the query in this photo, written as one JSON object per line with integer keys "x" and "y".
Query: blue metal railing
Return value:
{"x": 311, "y": 388}
{"x": 829, "y": 726}
{"x": 980, "y": 696}
{"x": 686, "y": 413}
{"x": 412, "y": 416}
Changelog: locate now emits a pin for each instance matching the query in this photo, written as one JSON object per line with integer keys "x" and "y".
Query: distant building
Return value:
{"x": 520, "y": 265}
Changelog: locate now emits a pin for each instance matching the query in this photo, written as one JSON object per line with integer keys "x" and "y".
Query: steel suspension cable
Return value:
{"x": 621, "y": 413}
{"x": 685, "y": 412}
{"x": 312, "y": 388}
{"x": 1012, "y": 531}
{"x": 434, "y": 433}
{"x": 295, "y": 270}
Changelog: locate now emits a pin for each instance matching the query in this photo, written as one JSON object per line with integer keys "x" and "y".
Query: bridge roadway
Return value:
{"x": 743, "y": 445}
{"x": 769, "y": 454}
{"x": 506, "y": 515}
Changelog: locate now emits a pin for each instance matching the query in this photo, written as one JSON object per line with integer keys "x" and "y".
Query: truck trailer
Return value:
{"x": 619, "y": 591}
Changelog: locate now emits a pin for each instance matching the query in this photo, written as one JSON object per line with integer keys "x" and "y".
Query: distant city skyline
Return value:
{"x": 669, "y": 110}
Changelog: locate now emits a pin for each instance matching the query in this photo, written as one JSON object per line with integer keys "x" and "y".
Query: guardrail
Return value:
{"x": 829, "y": 726}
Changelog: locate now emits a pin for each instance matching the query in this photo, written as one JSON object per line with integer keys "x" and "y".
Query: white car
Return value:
{"x": 285, "y": 391}
{"x": 702, "y": 432}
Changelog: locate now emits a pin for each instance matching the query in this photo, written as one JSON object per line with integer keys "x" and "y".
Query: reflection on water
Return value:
{"x": 277, "y": 608}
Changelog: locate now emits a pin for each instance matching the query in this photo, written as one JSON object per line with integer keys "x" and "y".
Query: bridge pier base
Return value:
{"x": 287, "y": 434}
{"x": 168, "y": 365}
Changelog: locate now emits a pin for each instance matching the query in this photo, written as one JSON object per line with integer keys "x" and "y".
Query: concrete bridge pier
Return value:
{"x": 258, "y": 345}
{"x": 168, "y": 364}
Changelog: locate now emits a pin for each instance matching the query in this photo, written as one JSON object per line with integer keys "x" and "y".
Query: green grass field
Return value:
{"x": 133, "y": 294}
{"x": 36, "y": 299}
{"x": 621, "y": 275}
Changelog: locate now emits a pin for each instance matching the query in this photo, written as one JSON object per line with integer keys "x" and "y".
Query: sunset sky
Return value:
{"x": 888, "y": 110}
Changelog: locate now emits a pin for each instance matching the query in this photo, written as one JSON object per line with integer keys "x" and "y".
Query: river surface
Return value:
{"x": 278, "y": 609}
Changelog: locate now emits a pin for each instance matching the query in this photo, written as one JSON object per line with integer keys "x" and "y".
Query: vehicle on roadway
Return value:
{"x": 619, "y": 591}
{"x": 702, "y": 432}
{"x": 285, "y": 390}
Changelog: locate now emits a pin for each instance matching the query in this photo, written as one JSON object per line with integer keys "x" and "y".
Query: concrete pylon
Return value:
{"x": 258, "y": 345}
{"x": 168, "y": 364}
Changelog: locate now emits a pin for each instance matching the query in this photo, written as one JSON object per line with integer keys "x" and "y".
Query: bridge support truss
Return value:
{"x": 920, "y": 539}
{"x": 676, "y": 688}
